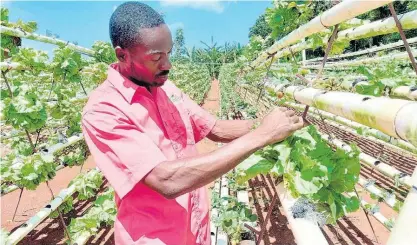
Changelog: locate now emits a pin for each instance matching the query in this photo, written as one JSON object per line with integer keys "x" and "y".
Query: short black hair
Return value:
{"x": 128, "y": 19}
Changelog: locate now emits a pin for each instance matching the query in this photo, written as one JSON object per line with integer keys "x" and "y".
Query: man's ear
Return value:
{"x": 121, "y": 54}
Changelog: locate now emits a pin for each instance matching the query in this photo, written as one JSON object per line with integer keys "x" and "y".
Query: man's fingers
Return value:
{"x": 290, "y": 113}
{"x": 295, "y": 119}
{"x": 298, "y": 125}
{"x": 306, "y": 122}
{"x": 282, "y": 108}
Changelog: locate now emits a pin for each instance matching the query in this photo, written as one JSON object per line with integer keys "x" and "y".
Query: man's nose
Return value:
{"x": 166, "y": 65}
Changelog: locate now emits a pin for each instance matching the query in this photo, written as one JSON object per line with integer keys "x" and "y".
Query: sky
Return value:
{"x": 86, "y": 22}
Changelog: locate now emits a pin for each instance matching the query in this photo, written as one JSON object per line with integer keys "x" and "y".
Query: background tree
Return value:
{"x": 179, "y": 44}
{"x": 262, "y": 29}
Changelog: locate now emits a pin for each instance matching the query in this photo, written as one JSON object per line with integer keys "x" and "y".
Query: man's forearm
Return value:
{"x": 178, "y": 177}
{"x": 227, "y": 130}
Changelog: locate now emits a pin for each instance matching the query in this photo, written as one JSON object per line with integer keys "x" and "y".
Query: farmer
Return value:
{"x": 142, "y": 133}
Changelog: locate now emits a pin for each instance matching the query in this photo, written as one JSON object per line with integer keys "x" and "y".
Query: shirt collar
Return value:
{"x": 126, "y": 87}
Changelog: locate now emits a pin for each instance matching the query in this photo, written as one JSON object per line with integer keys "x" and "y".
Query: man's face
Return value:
{"x": 148, "y": 62}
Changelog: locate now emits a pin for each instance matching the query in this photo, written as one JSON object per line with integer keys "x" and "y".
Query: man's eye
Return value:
{"x": 156, "y": 58}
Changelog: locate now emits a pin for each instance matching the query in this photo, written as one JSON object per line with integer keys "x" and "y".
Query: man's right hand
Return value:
{"x": 278, "y": 125}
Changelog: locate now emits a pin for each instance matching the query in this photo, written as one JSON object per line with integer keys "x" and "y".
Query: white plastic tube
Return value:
{"x": 376, "y": 28}
{"x": 366, "y": 51}
{"x": 375, "y": 135}
{"x": 33, "y": 36}
{"x": 343, "y": 11}
{"x": 404, "y": 232}
{"x": 31, "y": 224}
{"x": 305, "y": 232}
{"x": 366, "y": 61}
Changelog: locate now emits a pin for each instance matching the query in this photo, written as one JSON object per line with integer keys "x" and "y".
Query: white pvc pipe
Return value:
{"x": 402, "y": 92}
{"x": 377, "y": 215}
{"x": 397, "y": 44}
{"x": 373, "y": 134}
{"x": 305, "y": 232}
{"x": 376, "y": 28}
{"x": 380, "y": 113}
{"x": 222, "y": 238}
{"x": 343, "y": 11}
{"x": 408, "y": 92}
{"x": 7, "y": 65}
{"x": 399, "y": 56}
{"x": 214, "y": 213}
{"x": 31, "y": 224}
{"x": 376, "y": 191}
{"x": 54, "y": 149}
{"x": 405, "y": 228}
{"x": 21, "y": 232}
{"x": 33, "y": 36}
{"x": 384, "y": 26}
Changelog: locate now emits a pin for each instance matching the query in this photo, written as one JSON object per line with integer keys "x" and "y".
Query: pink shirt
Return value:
{"x": 129, "y": 131}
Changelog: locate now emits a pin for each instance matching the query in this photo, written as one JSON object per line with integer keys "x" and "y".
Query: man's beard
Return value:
{"x": 145, "y": 84}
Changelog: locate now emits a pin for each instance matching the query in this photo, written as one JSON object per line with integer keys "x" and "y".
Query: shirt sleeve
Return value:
{"x": 202, "y": 121}
{"x": 121, "y": 151}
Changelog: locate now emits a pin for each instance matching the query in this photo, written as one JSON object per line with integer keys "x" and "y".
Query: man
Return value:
{"x": 142, "y": 131}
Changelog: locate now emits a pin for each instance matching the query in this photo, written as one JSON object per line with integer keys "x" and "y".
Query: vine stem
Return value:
{"x": 3, "y": 73}
{"x": 49, "y": 97}
{"x": 266, "y": 75}
{"x": 367, "y": 217}
{"x": 82, "y": 86}
{"x": 60, "y": 214}
{"x": 403, "y": 37}
{"x": 328, "y": 49}
{"x": 18, "y": 202}
{"x": 30, "y": 141}
{"x": 85, "y": 159}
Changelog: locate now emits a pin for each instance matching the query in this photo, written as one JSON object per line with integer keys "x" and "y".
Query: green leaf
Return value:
{"x": 228, "y": 223}
{"x": 397, "y": 206}
{"x": 352, "y": 204}
{"x": 253, "y": 166}
{"x": 306, "y": 187}
{"x": 253, "y": 218}
{"x": 333, "y": 210}
{"x": 292, "y": 5}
